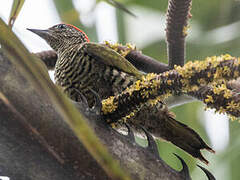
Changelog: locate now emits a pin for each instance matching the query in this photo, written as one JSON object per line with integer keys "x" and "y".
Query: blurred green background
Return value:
{"x": 214, "y": 30}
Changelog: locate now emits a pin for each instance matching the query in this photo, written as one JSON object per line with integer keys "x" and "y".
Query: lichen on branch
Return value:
{"x": 214, "y": 71}
{"x": 219, "y": 97}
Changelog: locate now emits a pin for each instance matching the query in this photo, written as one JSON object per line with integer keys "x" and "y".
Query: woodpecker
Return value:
{"x": 83, "y": 66}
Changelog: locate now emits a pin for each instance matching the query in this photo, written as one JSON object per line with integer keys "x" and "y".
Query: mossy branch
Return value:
{"x": 156, "y": 87}
{"x": 201, "y": 90}
{"x": 219, "y": 97}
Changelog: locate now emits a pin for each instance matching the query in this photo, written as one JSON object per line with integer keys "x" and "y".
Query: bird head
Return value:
{"x": 61, "y": 35}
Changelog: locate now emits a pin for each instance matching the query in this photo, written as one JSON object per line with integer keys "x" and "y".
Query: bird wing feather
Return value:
{"x": 110, "y": 57}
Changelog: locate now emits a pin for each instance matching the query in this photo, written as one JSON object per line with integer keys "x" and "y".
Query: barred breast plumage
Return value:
{"x": 77, "y": 71}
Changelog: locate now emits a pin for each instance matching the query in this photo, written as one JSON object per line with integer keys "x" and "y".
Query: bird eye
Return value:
{"x": 61, "y": 26}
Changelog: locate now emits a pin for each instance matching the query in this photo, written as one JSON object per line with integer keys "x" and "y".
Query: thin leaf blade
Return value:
{"x": 120, "y": 6}
{"x": 16, "y": 8}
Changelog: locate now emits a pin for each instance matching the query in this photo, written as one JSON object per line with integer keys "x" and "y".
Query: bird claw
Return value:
{"x": 130, "y": 134}
{"x": 152, "y": 146}
{"x": 98, "y": 102}
{"x": 83, "y": 99}
{"x": 208, "y": 174}
{"x": 185, "y": 171}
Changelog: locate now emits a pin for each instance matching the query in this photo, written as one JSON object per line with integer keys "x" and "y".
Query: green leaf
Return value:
{"x": 26, "y": 64}
{"x": 120, "y": 6}
{"x": 16, "y": 7}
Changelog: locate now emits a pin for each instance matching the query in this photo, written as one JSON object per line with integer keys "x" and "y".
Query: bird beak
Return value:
{"x": 42, "y": 33}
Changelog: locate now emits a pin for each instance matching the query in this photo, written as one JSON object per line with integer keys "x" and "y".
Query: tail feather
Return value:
{"x": 179, "y": 134}
{"x": 185, "y": 138}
